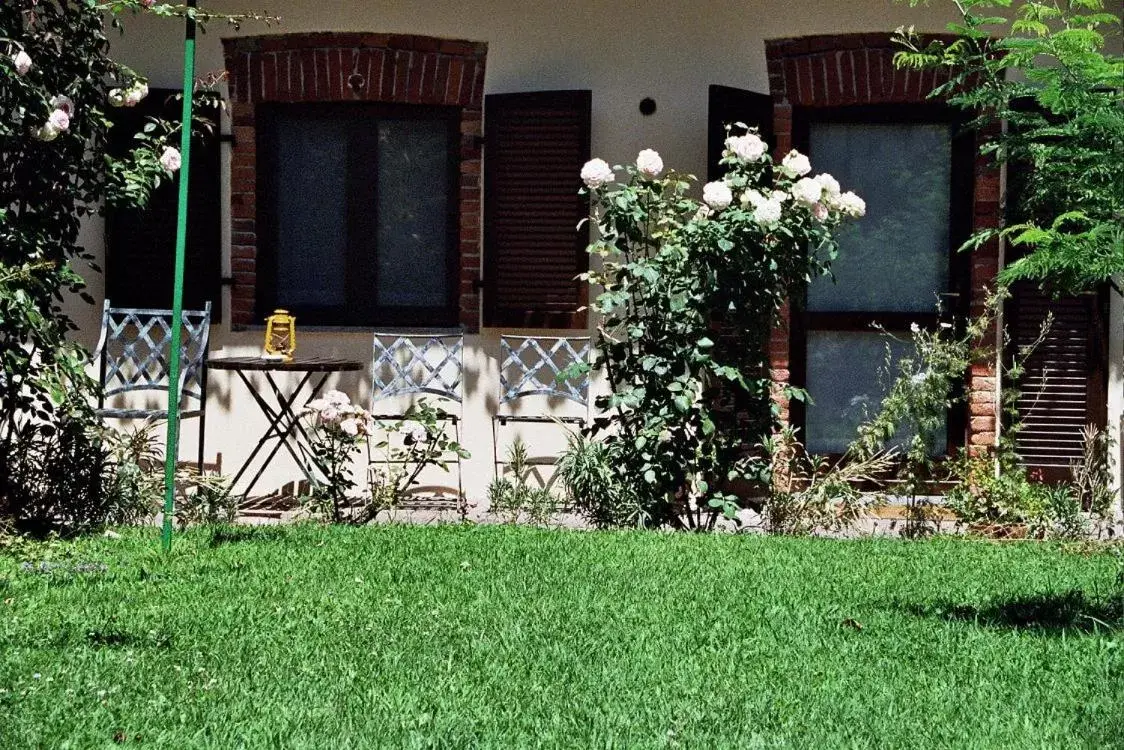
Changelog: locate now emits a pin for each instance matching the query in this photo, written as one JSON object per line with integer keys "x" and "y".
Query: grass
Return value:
{"x": 506, "y": 638}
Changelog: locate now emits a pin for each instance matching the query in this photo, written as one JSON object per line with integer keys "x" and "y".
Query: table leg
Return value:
{"x": 282, "y": 423}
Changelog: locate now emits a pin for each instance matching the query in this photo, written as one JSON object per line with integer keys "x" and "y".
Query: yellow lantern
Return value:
{"x": 281, "y": 334}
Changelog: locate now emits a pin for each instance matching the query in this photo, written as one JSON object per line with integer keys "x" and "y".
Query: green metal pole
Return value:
{"x": 171, "y": 448}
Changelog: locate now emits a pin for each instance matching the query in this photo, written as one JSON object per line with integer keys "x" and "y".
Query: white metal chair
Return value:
{"x": 530, "y": 366}
{"x": 429, "y": 365}
{"x": 133, "y": 356}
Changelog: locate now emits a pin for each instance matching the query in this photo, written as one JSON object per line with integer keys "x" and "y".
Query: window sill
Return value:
{"x": 400, "y": 330}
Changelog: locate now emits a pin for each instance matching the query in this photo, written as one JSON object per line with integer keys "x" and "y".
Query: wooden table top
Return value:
{"x": 299, "y": 364}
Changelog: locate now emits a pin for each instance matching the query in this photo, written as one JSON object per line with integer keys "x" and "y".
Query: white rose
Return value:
{"x": 22, "y": 62}
{"x": 350, "y": 427}
{"x": 649, "y": 163}
{"x": 746, "y": 148}
{"x": 315, "y": 405}
{"x": 59, "y": 120}
{"x": 807, "y": 191}
{"x": 46, "y": 133}
{"x": 914, "y": 328}
{"x": 116, "y": 98}
{"x": 703, "y": 213}
{"x": 171, "y": 160}
{"x": 597, "y": 173}
{"x": 329, "y": 414}
{"x": 717, "y": 195}
{"x": 417, "y": 433}
{"x": 830, "y": 186}
{"x": 852, "y": 205}
{"x": 795, "y": 164}
{"x": 780, "y": 196}
{"x": 337, "y": 398}
{"x": 135, "y": 94}
{"x": 820, "y": 212}
{"x": 768, "y": 213}
{"x": 752, "y": 198}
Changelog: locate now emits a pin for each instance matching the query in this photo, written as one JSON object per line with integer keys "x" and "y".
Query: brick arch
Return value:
{"x": 842, "y": 70}
{"x": 345, "y": 67}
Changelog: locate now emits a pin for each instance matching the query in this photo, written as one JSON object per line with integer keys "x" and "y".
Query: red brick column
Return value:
{"x": 983, "y": 381}
{"x": 334, "y": 67}
{"x": 839, "y": 70}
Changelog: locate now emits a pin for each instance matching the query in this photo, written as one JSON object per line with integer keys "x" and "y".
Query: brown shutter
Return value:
{"x": 727, "y": 105}
{"x": 1064, "y": 387}
{"x": 141, "y": 244}
{"x": 535, "y": 146}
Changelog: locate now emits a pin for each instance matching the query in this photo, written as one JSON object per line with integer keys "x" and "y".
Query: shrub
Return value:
{"x": 672, "y": 270}
{"x": 515, "y": 495}
{"x": 57, "y": 84}
{"x": 338, "y": 428}
{"x": 422, "y": 442}
{"x": 589, "y": 472}
{"x": 812, "y": 494}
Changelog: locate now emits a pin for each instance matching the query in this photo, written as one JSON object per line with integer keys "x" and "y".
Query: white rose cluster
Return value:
{"x": 795, "y": 164}
{"x": 336, "y": 414}
{"x": 129, "y": 97}
{"x": 852, "y": 205}
{"x": 58, "y": 122}
{"x": 820, "y": 195}
{"x": 767, "y": 210}
{"x": 807, "y": 191}
{"x": 717, "y": 195}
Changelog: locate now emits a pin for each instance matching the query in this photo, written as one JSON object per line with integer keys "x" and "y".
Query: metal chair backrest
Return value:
{"x": 530, "y": 367}
{"x": 410, "y": 364}
{"x": 134, "y": 351}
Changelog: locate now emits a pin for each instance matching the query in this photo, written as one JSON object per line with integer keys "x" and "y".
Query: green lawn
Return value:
{"x": 504, "y": 638}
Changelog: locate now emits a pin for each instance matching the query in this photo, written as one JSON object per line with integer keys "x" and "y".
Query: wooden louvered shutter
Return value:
{"x": 727, "y": 105}
{"x": 535, "y": 146}
{"x": 1064, "y": 387}
{"x": 141, "y": 243}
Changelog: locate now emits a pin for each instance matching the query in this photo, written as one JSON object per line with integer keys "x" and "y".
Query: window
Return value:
{"x": 896, "y": 267}
{"x": 141, "y": 242}
{"x": 357, "y": 213}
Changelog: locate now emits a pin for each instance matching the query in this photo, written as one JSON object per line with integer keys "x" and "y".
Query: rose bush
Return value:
{"x": 57, "y": 83}
{"x": 674, "y": 273}
{"x": 336, "y": 428}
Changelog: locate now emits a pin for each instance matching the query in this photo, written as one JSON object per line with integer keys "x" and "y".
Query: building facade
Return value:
{"x": 406, "y": 166}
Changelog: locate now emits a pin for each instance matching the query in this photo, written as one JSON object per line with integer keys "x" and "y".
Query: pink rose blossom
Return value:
{"x": 59, "y": 120}
{"x": 171, "y": 160}
{"x": 22, "y": 62}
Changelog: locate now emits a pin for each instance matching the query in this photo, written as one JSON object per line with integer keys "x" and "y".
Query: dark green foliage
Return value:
{"x": 59, "y": 469}
{"x": 48, "y": 184}
{"x": 1045, "y": 71}
{"x": 506, "y": 637}
{"x": 589, "y": 472}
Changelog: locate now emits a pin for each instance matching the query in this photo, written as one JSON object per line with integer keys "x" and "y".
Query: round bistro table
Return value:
{"x": 284, "y": 421}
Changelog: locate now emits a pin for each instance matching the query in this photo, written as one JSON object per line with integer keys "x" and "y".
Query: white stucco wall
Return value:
{"x": 623, "y": 51}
